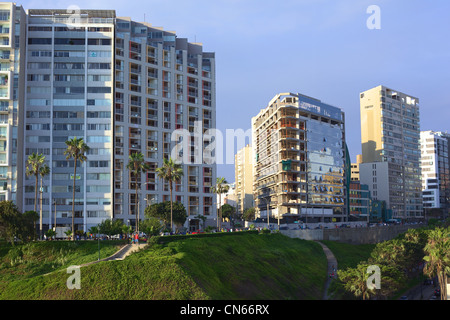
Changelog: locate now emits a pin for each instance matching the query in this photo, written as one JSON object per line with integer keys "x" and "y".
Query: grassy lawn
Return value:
{"x": 36, "y": 258}
{"x": 349, "y": 255}
{"x": 241, "y": 266}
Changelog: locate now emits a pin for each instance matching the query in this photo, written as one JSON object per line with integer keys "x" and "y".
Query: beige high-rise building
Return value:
{"x": 390, "y": 132}
{"x": 355, "y": 168}
{"x": 244, "y": 178}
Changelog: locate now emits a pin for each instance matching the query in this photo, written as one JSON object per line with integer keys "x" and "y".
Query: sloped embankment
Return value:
{"x": 233, "y": 266}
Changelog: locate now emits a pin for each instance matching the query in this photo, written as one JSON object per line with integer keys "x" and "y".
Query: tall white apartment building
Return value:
{"x": 122, "y": 86}
{"x": 12, "y": 79}
{"x": 300, "y": 164}
{"x": 69, "y": 93}
{"x": 435, "y": 169}
{"x": 390, "y": 132}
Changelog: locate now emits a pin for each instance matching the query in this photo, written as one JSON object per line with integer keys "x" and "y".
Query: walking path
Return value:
{"x": 331, "y": 271}
{"x": 121, "y": 254}
{"x": 125, "y": 251}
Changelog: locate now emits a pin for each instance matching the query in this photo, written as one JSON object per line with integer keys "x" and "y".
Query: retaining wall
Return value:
{"x": 370, "y": 235}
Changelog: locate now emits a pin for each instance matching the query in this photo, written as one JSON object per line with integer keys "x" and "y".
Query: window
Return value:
{"x": 99, "y": 42}
{"x": 102, "y": 66}
{"x": 99, "y": 114}
{"x": 98, "y": 164}
{"x": 38, "y": 77}
{"x": 69, "y": 41}
{"x": 98, "y": 139}
{"x": 99, "y": 77}
{"x": 38, "y": 65}
{"x": 99, "y": 89}
{"x": 40, "y": 41}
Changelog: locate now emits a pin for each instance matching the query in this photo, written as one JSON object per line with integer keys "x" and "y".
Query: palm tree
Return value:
{"x": 76, "y": 149}
{"x": 220, "y": 187}
{"x": 43, "y": 171}
{"x": 170, "y": 172}
{"x": 34, "y": 163}
{"x": 137, "y": 165}
{"x": 438, "y": 257}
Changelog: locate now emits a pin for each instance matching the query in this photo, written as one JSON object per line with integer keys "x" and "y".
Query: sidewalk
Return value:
{"x": 125, "y": 251}
{"x": 331, "y": 271}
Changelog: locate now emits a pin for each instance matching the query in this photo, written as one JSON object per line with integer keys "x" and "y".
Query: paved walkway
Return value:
{"x": 123, "y": 252}
{"x": 332, "y": 269}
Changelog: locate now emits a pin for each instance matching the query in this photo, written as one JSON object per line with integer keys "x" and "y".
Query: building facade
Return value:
{"x": 69, "y": 82}
{"x": 12, "y": 95}
{"x": 435, "y": 170}
{"x": 360, "y": 202}
{"x": 300, "y": 160}
{"x": 390, "y": 132}
{"x": 163, "y": 84}
{"x": 243, "y": 165}
{"x": 124, "y": 87}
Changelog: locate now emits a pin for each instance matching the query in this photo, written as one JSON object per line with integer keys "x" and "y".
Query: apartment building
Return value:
{"x": 124, "y": 87}
{"x": 243, "y": 165}
{"x": 162, "y": 83}
{"x": 69, "y": 93}
{"x": 12, "y": 79}
{"x": 435, "y": 170}
{"x": 355, "y": 168}
{"x": 300, "y": 160}
{"x": 390, "y": 132}
{"x": 360, "y": 201}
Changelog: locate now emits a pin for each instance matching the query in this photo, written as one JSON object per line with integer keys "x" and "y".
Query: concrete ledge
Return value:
{"x": 371, "y": 235}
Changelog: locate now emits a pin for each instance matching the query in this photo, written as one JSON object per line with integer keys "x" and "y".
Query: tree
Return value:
{"x": 94, "y": 231}
{"x": 136, "y": 165}
{"x": 392, "y": 252}
{"x": 355, "y": 280}
{"x": 28, "y": 229}
{"x": 167, "y": 212}
{"x": 220, "y": 188}
{"x": 249, "y": 214}
{"x": 76, "y": 150}
{"x": 437, "y": 257}
{"x": 50, "y": 233}
{"x": 34, "y": 163}
{"x": 152, "y": 226}
{"x": 43, "y": 171}
{"x": 14, "y": 224}
{"x": 227, "y": 211}
{"x": 170, "y": 172}
{"x": 68, "y": 233}
{"x": 9, "y": 221}
{"x": 126, "y": 230}
{"x": 110, "y": 227}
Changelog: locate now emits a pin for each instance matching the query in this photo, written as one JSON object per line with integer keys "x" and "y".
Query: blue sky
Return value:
{"x": 320, "y": 48}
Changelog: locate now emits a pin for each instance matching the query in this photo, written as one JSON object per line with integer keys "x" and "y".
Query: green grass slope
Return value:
{"x": 241, "y": 266}
{"x": 349, "y": 255}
